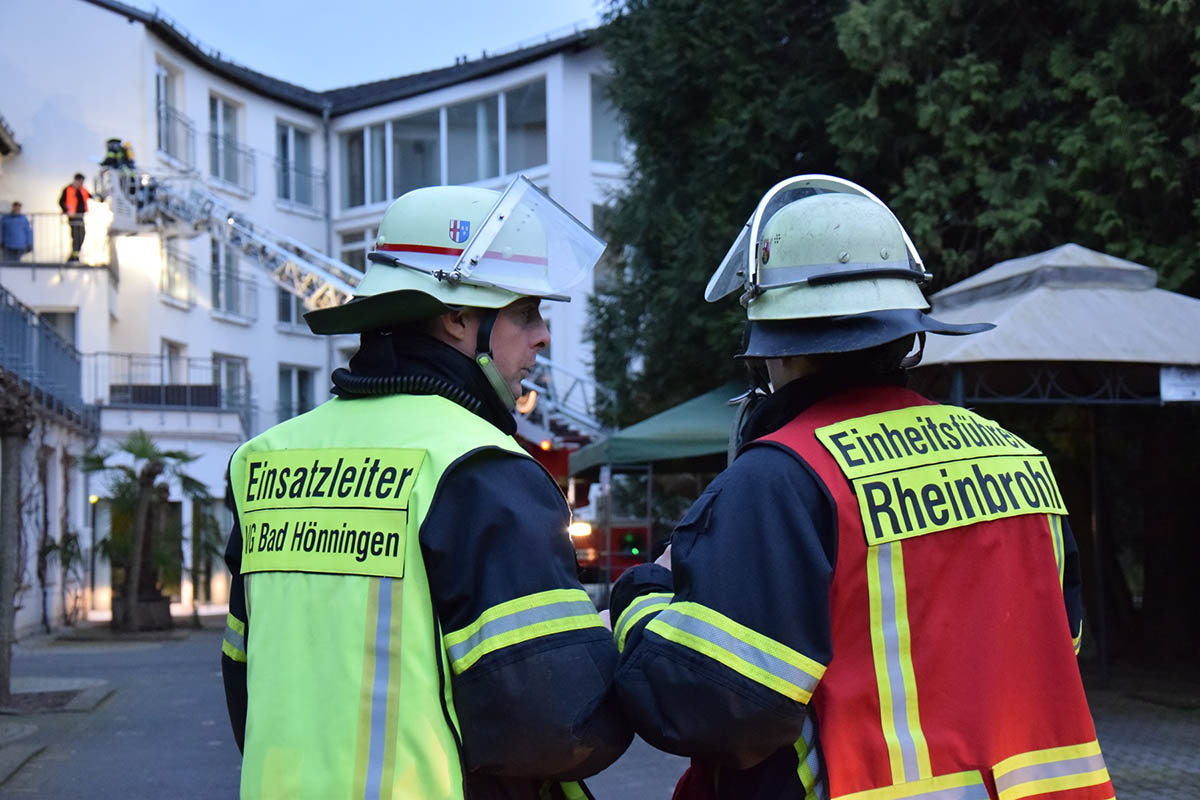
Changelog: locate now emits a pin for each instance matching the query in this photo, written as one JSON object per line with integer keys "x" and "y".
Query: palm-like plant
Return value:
{"x": 134, "y": 474}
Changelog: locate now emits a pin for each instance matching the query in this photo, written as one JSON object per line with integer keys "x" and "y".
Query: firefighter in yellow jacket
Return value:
{"x": 405, "y": 618}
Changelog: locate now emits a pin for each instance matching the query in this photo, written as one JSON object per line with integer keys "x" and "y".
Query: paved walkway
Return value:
{"x": 161, "y": 730}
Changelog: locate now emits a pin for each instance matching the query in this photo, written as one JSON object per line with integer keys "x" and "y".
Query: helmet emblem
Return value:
{"x": 460, "y": 230}
{"x": 766, "y": 250}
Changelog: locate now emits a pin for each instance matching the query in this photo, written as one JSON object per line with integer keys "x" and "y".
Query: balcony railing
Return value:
{"x": 172, "y": 383}
{"x": 178, "y": 278}
{"x": 234, "y": 295}
{"x": 176, "y": 135}
{"x": 36, "y": 355}
{"x": 52, "y": 241}
{"x": 296, "y": 186}
{"x": 231, "y": 162}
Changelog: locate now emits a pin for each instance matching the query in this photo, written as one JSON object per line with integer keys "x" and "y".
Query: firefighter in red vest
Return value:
{"x": 74, "y": 203}
{"x": 880, "y": 597}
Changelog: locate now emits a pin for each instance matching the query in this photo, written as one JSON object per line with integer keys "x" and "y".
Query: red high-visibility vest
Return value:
{"x": 953, "y": 670}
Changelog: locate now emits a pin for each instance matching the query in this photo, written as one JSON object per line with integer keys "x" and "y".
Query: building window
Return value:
{"x": 377, "y": 163}
{"x": 178, "y": 273}
{"x": 525, "y": 126}
{"x": 290, "y": 308}
{"x": 451, "y": 144}
{"x": 228, "y": 160}
{"x": 175, "y": 134}
{"x": 416, "y": 152}
{"x": 295, "y": 391}
{"x": 229, "y": 373}
{"x": 355, "y": 245}
{"x": 229, "y": 291}
{"x": 608, "y": 136}
{"x": 174, "y": 362}
{"x": 352, "y": 169}
{"x": 61, "y": 322}
{"x": 473, "y": 140}
{"x": 294, "y": 175}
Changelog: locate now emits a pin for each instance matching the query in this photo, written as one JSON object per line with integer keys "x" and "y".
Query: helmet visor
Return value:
{"x": 530, "y": 245}
{"x": 741, "y": 265}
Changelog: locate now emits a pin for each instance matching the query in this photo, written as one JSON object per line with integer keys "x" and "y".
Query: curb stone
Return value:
{"x": 14, "y": 756}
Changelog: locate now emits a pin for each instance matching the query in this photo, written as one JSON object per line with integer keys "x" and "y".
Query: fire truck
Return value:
{"x": 628, "y": 543}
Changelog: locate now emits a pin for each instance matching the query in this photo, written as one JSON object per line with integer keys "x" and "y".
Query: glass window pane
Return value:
{"x": 302, "y": 178}
{"x": 215, "y": 269}
{"x": 229, "y": 132}
{"x": 304, "y": 392}
{"x": 525, "y": 126}
{"x": 416, "y": 152}
{"x": 473, "y": 142}
{"x": 284, "y": 306}
{"x": 303, "y": 149}
{"x": 233, "y": 293}
{"x": 285, "y": 392}
{"x": 352, "y": 169}
{"x": 214, "y": 151}
{"x": 378, "y": 165}
{"x": 608, "y": 139}
{"x": 283, "y": 174}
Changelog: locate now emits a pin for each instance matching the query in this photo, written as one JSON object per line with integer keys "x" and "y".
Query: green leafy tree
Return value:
{"x": 138, "y": 471}
{"x": 993, "y": 130}
{"x": 996, "y": 131}
{"x": 720, "y": 100}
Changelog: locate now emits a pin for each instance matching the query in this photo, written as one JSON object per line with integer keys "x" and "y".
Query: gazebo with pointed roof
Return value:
{"x": 1075, "y": 327}
{"x": 1072, "y": 326}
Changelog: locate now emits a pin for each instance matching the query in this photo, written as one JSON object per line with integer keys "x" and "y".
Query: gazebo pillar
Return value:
{"x": 957, "y": 390}
{"x": 1099, "y": 627}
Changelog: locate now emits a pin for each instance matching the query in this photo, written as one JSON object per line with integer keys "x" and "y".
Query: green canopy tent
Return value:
{"x": 695, "y": 428}
{"x": 691, "y": 437}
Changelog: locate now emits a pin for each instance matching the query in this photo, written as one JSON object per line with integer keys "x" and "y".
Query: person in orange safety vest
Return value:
{"x": 74, "y": 203}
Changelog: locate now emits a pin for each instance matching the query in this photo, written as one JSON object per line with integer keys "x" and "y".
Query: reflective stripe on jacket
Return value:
{"x": 954, "y": 672}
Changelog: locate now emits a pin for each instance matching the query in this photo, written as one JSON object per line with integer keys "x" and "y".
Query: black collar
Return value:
{"x": 418, "y": 355}
{"x": 773, "y": 411}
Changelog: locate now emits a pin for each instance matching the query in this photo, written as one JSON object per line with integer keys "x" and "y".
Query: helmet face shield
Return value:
{"x": 731, "y": 274}
{"x": 526, "y": 244}
{"x": 773, "y": 253}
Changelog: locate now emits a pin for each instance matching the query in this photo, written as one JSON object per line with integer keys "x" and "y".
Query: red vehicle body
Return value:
{"x": 629, "y": 542}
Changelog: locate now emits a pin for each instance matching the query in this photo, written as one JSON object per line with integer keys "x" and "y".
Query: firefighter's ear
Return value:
{"x": 457, "y": 328}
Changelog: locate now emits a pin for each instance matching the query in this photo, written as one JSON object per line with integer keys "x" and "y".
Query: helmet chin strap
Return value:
{"x": 914, "y": 358}
{"x": 483, "y": 357}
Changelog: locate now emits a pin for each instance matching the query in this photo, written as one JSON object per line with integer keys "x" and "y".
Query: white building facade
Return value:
{"x": 192, "y": 331}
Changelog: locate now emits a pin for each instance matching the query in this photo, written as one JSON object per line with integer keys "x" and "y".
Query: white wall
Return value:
{"x": 54, "y": 506}
{"x": 62, "y": 108}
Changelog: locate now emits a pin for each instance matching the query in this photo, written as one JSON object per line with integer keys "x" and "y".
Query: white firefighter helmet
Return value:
{"x": 444, "y": 247}
{"x": 825, "y": 267}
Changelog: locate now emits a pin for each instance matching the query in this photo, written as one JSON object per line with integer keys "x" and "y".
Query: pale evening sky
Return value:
{"x": 323, "y": 44}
